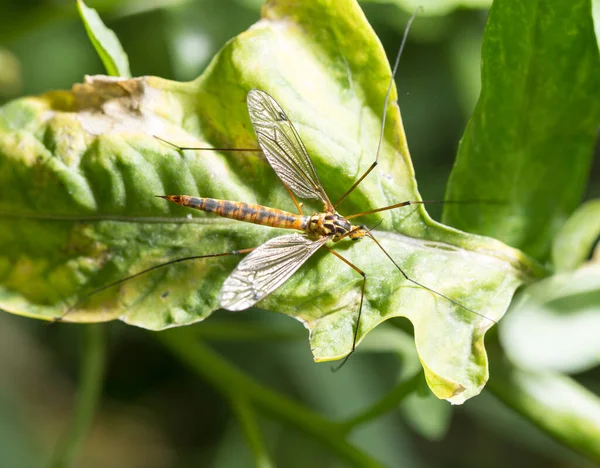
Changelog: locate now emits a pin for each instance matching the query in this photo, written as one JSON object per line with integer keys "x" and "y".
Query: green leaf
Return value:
{"x": 596, "y": 17}
{"x": 554, "y": 324}
{"x": 434, "y": 7}
{"x": 530, "y": 141}
{"x": 105, "y": 42}
{"x": 577, "y": 237}
{"x": 79, "y": 172}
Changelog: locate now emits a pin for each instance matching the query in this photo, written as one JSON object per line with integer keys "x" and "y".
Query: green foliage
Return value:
{"x": 576, "y": 238}
{"x": 99, "y": 169}
{"x": 554, "y": 324}
{"x": 554, "y": 402}
{"x": 435, "y": 7}
{"x": 105, "y": 42}
{"x": 87, "y": 216}
{"x": 544, "y": 107}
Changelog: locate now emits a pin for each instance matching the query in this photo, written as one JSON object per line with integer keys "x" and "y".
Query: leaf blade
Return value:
{"x": 99, "y": 145}
{"x": 105, "y": 42}
{"x": 539, "y": 72}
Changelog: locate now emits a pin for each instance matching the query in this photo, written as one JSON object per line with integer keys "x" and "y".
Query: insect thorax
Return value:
{"x": 329, "y": 224}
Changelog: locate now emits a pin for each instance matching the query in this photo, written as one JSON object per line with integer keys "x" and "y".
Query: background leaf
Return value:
{"x": 536, "y": 56}
{"x": 554, "y": 324}
{"x": 576, "y": 238}
{"x": 105, "y": 41}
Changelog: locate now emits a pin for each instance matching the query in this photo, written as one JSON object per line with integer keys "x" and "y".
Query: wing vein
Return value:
{"x": 283, "y": 147}
{"x": 265, "y": 269}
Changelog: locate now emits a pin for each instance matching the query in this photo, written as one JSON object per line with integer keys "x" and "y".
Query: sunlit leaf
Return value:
{"x": 79, "y": 171}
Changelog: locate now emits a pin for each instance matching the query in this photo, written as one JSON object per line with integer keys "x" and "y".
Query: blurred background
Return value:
{"x": 154, "y": 412}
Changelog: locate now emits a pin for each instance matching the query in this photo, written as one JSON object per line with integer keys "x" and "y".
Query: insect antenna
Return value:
{"x": 406, "y": 277}
{"x": 86, "y": 296}
{"x": 424, "y": 202}
{"x": 385, "y": 106}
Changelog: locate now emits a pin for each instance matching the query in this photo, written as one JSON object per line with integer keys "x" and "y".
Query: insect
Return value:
{"x": 267, "y": 267}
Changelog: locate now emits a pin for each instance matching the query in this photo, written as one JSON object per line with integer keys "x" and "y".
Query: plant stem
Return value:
{"x": 233, "y": 383}
{"x": 235, "y": 331}
{"x": 247, "y": 418}
{"x": 91, "y": 374}
{"x": 555, "y": 403}
{"x": 388, "y": 402}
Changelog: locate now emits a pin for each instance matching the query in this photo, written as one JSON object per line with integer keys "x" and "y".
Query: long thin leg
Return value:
{"x": 298, "y": 205}
{"x": 198, "y": 148}
{"x": 385, "y": 106}
{"x": 143, "y": 272}
{"x": 181, "y": 148}
{"x": 362, "y": 296}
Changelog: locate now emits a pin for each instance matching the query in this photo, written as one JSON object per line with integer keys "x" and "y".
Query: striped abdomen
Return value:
{"x": 241, "y": 211}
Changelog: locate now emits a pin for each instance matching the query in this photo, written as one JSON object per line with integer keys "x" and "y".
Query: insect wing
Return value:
{"x": 265, "y": 269}
{"x": 282, "y": 145}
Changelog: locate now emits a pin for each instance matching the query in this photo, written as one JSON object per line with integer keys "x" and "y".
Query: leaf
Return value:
{"x": 577, "y": 237}
{"x": 435, "y": 7}
{"x": 596, "y": 17}
{"x": 554, "y": 324}
{"x": 530, "y": 140}
{"x": 105, "y": 42}
{"x": 87, "y": 214}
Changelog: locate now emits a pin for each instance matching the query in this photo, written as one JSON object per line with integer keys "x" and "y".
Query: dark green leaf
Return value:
{"x": 79, "y": 172}
{"x": 530, "y": 141}
{"x": 596, "y": 16}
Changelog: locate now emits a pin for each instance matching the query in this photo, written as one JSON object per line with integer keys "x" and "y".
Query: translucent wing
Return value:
{"x": 265, "y": 269}
{"x": 282, "y": 145}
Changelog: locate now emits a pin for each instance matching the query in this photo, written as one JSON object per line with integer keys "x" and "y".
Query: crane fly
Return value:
{"x": 269, "y": 265}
